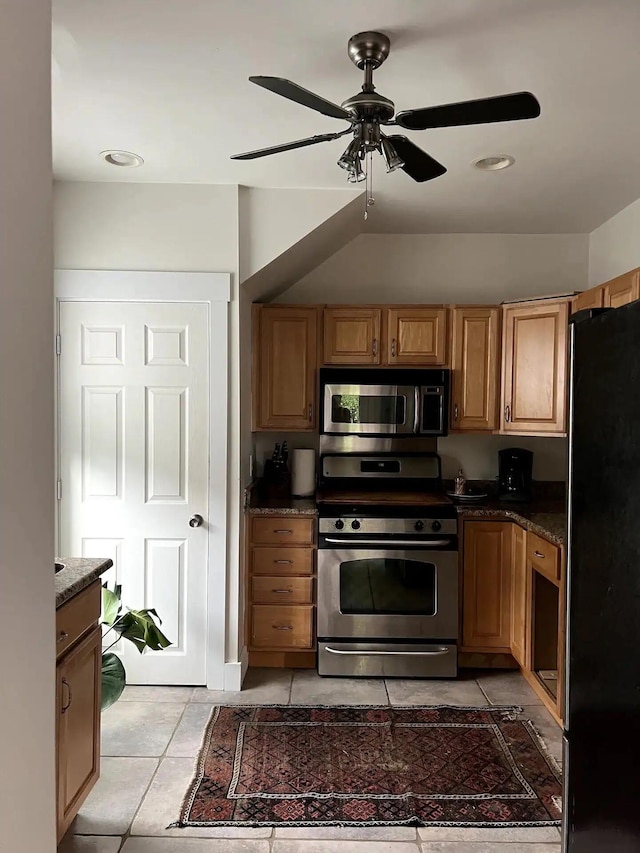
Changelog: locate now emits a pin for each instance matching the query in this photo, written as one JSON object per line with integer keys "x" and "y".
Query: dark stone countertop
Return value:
{"x": 77, "y": 574}
{"x": 281, "y": 506}
{"x": 546, "y": 518}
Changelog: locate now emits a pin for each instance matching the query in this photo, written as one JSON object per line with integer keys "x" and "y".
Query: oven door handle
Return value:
{"x": 442, "y": 650}
{"x": 388, "y": 544}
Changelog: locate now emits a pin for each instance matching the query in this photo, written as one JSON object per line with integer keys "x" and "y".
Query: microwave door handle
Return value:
{"x": 416, "y": 412}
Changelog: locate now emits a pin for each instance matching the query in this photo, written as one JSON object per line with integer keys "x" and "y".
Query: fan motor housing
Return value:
{"x": 370, "y": 105}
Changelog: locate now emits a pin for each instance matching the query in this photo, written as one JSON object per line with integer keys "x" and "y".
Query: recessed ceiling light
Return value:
{"x": 122, "y": 158}
{"x": 495, "y": 163}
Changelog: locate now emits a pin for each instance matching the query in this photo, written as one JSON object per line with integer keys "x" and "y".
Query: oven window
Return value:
{"x": 368, "y": 409}
{"x": 388, "y": 585}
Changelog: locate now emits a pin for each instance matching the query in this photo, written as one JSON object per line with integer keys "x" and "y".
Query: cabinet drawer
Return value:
{"x": 76, "y": 616}
{"x": 544, "y": 556}
{"x": 282, "y": 530}
{"x": 270, "y": 590}
{"x": 282, "y": 627}
{"x": 282, "y": 561}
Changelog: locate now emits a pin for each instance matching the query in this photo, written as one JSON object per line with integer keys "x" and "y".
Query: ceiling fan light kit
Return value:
{"x": 368, "y": 112}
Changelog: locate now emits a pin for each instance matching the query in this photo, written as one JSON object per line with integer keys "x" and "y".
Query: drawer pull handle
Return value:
{"x": 282, "y": 591}
{"x": 538, "y": 554}
{"x": 283, "y": 531}
{"x": 283, "y": 562}
{"x": 62, "y": 636}
{"x": 283, "y": 627}
{"x": 66, "y": 707}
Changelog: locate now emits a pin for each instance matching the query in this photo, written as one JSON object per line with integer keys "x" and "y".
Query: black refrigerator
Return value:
{"x": 601, "y": 799}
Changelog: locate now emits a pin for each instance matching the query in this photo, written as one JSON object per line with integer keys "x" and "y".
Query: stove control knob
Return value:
{"x": 355, "y": 525}
{"x": 339, "y": 524}
{"x": 435, "y": 526}
{"x": 419, "y": 525}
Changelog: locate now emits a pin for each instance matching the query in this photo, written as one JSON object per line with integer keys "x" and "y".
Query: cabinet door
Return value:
{"x": 352, "y": 336}
{"x": 78, "y": 692}
{"x": 592, "y": 298}
{"x": 486, "y": 602}
{"x": 417, "y": 335}
{"x": 534, "y": 368}
{"x": 475, "y": 368}
{"x": 284, "y": 367}
{"x": 519, "y": 595}
{"x": 622, "y": 290}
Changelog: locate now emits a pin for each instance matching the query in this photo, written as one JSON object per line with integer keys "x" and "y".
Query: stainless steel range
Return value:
{"x": 387, "y": 567}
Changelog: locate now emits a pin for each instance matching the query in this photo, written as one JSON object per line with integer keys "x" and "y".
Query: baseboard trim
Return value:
{"x": 235, "y": 671}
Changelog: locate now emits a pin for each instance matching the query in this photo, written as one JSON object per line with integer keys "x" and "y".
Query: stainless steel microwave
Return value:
{"x": 384, "y": 401}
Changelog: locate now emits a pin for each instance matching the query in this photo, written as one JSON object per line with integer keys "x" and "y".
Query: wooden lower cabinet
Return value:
{"x": 519, "y": 595}
{"x": 486, "y": 618}
{"x": 78, "y": 698}
{"x": 513, "y": 605}
{"x": 281, "y": 584}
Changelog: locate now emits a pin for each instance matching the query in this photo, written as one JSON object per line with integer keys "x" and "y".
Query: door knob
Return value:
{"x": 196, "y": 520}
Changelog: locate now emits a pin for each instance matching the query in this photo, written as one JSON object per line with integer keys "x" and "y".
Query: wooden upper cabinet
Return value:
{"x": 486, "y": 597}
{"x": 285, "y": 356}
{"x": 592, "y": 298}
{"x": 534, "y": 367}
{"x": 417, "y": 335}
{"x": 621, "y": 290}
{"x": 475, "y": 368}
{"x": 352, "y": 335}
{"x": 520, "y": 594}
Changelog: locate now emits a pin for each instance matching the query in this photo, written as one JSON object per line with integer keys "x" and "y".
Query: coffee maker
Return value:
{"x": 514, "y": 474}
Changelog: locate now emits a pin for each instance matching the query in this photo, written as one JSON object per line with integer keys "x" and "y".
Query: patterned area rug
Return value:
{"x": 373, "y": 766}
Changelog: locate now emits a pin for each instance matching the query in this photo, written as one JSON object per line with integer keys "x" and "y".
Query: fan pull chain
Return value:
{"x": 369, "y": 200}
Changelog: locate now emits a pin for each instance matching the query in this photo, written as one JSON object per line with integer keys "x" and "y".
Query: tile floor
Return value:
{"x": 152, "y": 735}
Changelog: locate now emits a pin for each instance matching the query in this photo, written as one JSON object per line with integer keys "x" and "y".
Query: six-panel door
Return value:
{"x": 284, "y": 367}
{"x": 534, "y": 368}
{"x": 475, "y": 368}
{"x": 134, "y": 465}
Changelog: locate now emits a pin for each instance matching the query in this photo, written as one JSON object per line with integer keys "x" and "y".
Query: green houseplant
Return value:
{"x": 138, "y": 626}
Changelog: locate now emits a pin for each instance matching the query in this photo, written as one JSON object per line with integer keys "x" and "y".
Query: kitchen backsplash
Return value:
{"x": 477, "y": 455}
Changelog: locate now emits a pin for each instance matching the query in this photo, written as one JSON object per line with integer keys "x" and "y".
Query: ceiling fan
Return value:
{"x": 368, "y": 112}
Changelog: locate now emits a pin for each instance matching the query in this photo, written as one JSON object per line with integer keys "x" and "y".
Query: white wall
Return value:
{"x": 476, "y": 268}
{"x": 614, "y": 247}
{"x": 173, "y": 227}
{"x": 27, "y": 602}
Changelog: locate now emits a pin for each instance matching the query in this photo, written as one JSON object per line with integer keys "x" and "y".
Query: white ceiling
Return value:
{"x": 167, "y": 79}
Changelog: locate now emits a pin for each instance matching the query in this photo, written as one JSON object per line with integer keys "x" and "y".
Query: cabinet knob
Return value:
{"x": 393, "y": 348}
{"x": 455, "y": 412}
{"x": 283, "y": 627}
{"x": 374, "y": 347}
{"x": 62, "y": 636}
{"x": 538, "y": 555}
{"x": 507, "y": 413}
{"x": 310, "y": 413}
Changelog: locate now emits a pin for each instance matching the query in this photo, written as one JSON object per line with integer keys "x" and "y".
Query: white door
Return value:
{"x": 134, "y": 463}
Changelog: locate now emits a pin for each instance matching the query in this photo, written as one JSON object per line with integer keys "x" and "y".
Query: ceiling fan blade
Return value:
{"x": 301, "y": 96}
{"x": 289, "y": 146}
{"x": 520, "y": 105}
{"x": 417, "y": 163}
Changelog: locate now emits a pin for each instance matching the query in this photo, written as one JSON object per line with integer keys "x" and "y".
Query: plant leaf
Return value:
{"x": 113, "y": 679}
{"x": 110, "y": 605}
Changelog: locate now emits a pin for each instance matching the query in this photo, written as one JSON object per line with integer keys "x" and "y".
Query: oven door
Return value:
{"x": 388, "y": 593}
{"x": 370, "y": 409}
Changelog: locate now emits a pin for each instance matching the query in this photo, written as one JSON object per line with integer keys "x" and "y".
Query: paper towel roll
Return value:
{"x": 303, "y": 472}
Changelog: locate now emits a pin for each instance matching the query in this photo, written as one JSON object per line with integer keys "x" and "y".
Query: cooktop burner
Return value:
{"x": 388, "y": 504}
